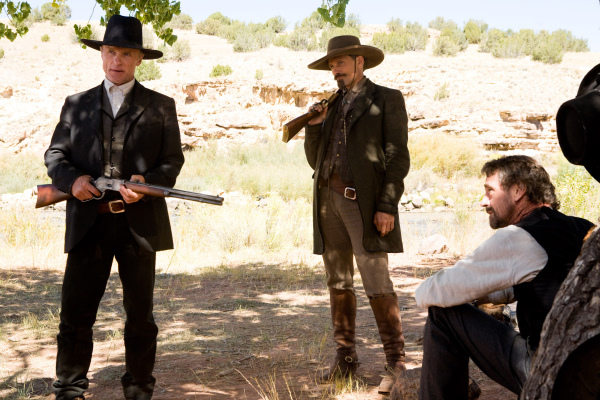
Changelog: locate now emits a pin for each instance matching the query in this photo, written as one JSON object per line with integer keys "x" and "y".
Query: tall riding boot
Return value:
{"x": 343, "y": 316}
{"x": 387, "y": 316}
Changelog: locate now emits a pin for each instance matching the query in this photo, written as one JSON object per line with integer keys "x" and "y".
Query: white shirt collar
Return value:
{"x": 125, "y": 88}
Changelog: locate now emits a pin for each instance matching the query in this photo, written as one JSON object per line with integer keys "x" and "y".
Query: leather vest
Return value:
{"x": 561, "y": 236}
{"x": 113, "y": 137}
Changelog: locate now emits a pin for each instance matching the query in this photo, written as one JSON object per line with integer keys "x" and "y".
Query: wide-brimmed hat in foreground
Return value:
{"x": 578, "y": 125}
{"x": 348, "y": 45}
{"x": 124, "y": 32}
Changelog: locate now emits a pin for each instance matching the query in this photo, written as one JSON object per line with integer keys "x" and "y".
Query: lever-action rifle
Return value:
{"x": 49, "y": 194}
{"x": 293, "y": 127}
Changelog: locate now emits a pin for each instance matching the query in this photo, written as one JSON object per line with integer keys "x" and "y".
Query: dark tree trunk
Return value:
{"x": 573, "y": 323}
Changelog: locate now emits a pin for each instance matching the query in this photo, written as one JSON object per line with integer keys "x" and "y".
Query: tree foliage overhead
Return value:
{"x": 17, "y": 13}
{"x": 334, "y": 12}
{"x": 150, "y": 12}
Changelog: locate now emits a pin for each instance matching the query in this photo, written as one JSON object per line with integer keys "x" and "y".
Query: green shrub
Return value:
{"x": 394, "y": 24}
{"x": 45, "y": 38}
{"x": 209, "y": 26}
{"x": 577, "y": 191}
{"x": 276, "y": 24}
{"x": 148, "y": 37}
{"x": 330, "y": 32}
{"x": 352, "y": 21}
{"x": 442, "y": 93}
{"x": 181, "y": 21}
{"x": 250, "y": 39}
{"x": 300, "y": 39}
{"x": 264, "y": 37}
{"x": 147, "y": 71}
{"x": 282, "y": 40}
{"x": 390, "y": 43}
{"x": 220, "y": 70}
{"x": 490, "y": 39}
{"x": 457, "y": 37}
{"x": 221, "y": 18}
{"x": 37, "y": 15}
{"x": 444, "y": 46}
{"x": 411, "y": 37}
{"x": 568, "y": 42}
{"x": 441, "y": 24}
{"x": 166, "y": 53}
{"x": 453, "y": 157}
{"x": 181, "y": 51}
{"x": 258, "y": 74}
{"x": 415, "y": 36}
{"x": 57, "y": 15}
{"x": 1, "y": 53}
{"x": 232, "y": 31}
{"x": 474, "y": 30}
{"x": 312, "y": 23}
{"x": 548, "y": 52}
{"x": 509, "y": 47}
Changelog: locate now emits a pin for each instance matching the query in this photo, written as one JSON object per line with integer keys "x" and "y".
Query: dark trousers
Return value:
{"x": 87, "y": 272}
{"x": 455, "y": 334}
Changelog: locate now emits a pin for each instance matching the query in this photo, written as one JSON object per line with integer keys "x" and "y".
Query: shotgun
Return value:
{"x": 293, "y": 127}
{"x": 49, "y": 194}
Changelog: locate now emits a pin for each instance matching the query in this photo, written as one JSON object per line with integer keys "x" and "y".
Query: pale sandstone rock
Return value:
{"x": 434, "y": 244}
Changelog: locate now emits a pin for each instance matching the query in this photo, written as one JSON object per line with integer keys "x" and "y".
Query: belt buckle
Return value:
{"x": 352, "y": 195}
{"x": 118, "y": 211}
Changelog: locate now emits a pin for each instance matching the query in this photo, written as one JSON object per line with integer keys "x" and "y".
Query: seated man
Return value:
{"x": 526, "y": 260}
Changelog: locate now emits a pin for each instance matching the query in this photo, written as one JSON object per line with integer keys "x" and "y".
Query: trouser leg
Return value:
{"x": 339, "y": 266}
{"x": 455, "y": 334}
{"x": 86, "y": 274}
{"x": 137, "y": 273}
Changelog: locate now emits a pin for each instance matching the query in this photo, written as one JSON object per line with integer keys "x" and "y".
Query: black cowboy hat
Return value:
{"x": 348, "y": 45}
{"x": 578, "y": 125}
{"x": 124, "y": 32}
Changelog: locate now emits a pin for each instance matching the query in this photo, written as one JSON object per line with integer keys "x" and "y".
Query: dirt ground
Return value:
{"x": 250, "y": 331}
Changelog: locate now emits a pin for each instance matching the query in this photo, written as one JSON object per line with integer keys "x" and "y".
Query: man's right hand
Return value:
{"x": 83, "y": 189}
{"x": 321, "y": 116}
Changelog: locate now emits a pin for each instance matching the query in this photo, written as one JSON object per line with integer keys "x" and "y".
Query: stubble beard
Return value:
{"x": 500, "y": 221}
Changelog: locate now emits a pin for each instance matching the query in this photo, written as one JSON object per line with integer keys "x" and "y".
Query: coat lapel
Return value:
{"x": 94, "y": 106}
{"x": 362, "y": 103}
{"x": 139, "y": 102}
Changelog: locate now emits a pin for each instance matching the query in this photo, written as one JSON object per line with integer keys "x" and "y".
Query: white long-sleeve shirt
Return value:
{"x": 511, "y": 256}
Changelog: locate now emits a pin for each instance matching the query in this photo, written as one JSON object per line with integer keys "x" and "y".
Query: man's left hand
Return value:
{"x": 129, "y": 196}
{"x": 384, "y": 223}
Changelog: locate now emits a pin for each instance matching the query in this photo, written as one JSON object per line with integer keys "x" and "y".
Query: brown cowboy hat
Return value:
{"x": 348, "y": 45}
{"x": 578, "y": 125}
{"x": 124, "y": 32}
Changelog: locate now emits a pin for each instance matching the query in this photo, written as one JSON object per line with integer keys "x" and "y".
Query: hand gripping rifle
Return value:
{"x": 293, "y": 127}
{"x": 49, "y": 194}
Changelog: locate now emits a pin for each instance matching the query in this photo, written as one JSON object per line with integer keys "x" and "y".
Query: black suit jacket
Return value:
{"x": 152, "y": 149}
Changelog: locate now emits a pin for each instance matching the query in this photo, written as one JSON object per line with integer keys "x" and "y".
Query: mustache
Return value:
{"x": 488, "y": 209}
{"x": 338, "y": 76}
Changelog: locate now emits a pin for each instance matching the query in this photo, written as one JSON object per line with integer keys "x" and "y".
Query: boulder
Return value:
{"x": 417, "y": 201}
{"x": 435, "y": 244}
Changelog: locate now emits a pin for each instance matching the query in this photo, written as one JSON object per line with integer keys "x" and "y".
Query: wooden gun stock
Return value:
{"x": 49, "y": 194}
{"x": 294, "y": 126}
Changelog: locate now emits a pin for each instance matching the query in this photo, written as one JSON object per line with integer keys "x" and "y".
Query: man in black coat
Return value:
{"x": 118, "y": 130}
{"x": 358, "y": 149}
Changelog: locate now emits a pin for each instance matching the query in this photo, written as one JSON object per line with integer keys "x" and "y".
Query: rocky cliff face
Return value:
{"x": 502, "y": 104}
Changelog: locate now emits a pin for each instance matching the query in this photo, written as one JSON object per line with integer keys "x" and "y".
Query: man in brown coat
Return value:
{"x": 358, "y": 149}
